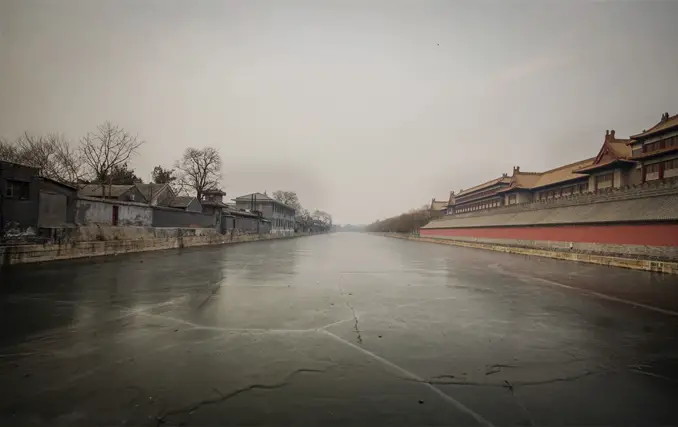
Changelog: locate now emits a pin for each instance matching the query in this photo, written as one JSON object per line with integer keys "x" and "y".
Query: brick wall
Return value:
{"x": 657, "y": 241}
{"x": 102, "y": 240}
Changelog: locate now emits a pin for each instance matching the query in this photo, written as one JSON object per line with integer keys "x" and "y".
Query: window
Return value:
{"x": 670, "y": 168}
{"x": 604, "y": 181}
{"x": 652, "y": 172}
{"x": 512, "y": 199}
{"x": 583, "y": 188}
{"x": 17, "y": 190}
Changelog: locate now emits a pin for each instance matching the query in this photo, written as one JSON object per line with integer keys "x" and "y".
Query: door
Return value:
{"x": 115, "y": 215}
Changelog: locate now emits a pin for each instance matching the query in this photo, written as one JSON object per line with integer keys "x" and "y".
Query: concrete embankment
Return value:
{"x": 92, "y": 241}
{"x": 645, "y": 264}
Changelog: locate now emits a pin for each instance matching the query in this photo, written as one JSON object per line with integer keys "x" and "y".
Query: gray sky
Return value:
{"x": 365, "y": 108}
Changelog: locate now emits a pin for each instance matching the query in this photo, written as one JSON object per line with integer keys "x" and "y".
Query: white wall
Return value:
{"x": 89, "y": 211}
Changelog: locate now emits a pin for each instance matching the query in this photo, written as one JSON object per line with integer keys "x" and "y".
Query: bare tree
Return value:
{"x": 289, "y": 198}
{"x": 200, "y": 170}
{"x": 51, "y": 153}
{"x": 68, "y": 163}
{"x": 108, "y": 147}
{"x": 8, "y": 151}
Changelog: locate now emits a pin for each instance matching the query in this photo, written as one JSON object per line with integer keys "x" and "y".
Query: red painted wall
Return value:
{"x": 641, "y": 234}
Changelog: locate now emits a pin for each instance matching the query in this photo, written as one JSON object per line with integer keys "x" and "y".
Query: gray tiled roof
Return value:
{"x": 181, "y": 201}
{"x": 94, "y": 190}
{"x": 149, "y": 191}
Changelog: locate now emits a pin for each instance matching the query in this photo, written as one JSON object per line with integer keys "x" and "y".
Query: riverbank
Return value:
{"x": 86, "y": 242}
{"x": 636, "y": 263}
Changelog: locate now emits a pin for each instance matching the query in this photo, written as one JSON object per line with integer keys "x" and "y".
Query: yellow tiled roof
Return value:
{"x": 438, "y": 205}
{"x": 563, "y": 173}
{"x": 659, "y": 127}
{"x": 525, "y": 179}
{"x": 620, "y": 147}
{"x": 501, "y": 179}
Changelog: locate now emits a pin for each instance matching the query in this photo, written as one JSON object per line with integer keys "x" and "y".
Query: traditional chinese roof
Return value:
{"x": 149, "y": 191}
{"x": 532, "y": 180}
{"x": 502, "y": 179}
{"x": 614, "y": 152}
{"x": 437, "y": 205}
{"x": 666, "y": 123}
{"x": 522, "y": 180}
{"x": 563, "y": 173}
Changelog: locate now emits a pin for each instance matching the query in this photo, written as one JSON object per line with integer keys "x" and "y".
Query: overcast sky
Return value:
{"x": 365, "y": 108}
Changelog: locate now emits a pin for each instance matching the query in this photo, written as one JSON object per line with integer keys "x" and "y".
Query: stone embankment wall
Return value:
{"x": 634, "y": 222}
{"x": 91, "y": 241}
{"x": 637, "y": 263}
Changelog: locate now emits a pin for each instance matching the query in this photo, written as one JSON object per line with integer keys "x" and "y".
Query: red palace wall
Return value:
{"x": 628, "y": 234}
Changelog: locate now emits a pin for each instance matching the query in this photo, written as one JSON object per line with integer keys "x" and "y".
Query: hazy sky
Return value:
{"x": 365, "y": 108}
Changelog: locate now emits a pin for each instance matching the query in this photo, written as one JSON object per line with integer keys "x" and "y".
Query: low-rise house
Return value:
{"x": 29, "y": 201}
{"x": 187, "y": 203}
{"x": 247, "y": 222}
{"x": 279, "y": 214}
{"x": 213, "y": 202}
{"x": 123, "y": 193}
{"x": 153, "y": 194}
{"x": 156, "y": 194}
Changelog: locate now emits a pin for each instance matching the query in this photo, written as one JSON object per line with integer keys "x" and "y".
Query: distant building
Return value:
{"x": 438, "y": 207}
{"x": 648, "y": 156}
{"x": 213, "y": 202}
{"x": 153, "y": 194}
{"x": 279, "y": 214}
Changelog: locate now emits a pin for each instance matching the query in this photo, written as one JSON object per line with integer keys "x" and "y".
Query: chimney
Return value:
{"x": 609, "y": 135}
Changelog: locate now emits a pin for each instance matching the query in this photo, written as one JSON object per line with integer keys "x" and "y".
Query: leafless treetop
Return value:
{"x": 200, "y": 170}
{"x": 109, "y": 146}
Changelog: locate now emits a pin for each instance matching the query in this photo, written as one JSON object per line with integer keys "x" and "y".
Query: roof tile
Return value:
{"x": 663, "y": 125}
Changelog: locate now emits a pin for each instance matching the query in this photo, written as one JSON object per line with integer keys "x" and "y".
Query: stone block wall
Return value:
{"x": 91, "y": 241}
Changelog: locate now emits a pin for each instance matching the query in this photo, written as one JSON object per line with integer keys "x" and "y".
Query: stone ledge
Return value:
{"x": 668, "y": 267}
{"x": 31, "y": 253}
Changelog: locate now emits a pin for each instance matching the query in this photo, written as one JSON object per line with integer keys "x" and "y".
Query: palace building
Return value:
{"x": 648, "y": 156}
